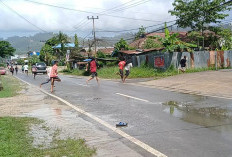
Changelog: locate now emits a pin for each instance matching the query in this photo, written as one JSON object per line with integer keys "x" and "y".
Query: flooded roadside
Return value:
{"x": 215, "y": 118}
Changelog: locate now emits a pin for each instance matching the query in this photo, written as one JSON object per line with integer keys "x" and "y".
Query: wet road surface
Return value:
{"x": 175, "y": 124}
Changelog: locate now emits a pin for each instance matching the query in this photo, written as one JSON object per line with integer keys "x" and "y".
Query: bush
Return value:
{"x": 110, "y": 64}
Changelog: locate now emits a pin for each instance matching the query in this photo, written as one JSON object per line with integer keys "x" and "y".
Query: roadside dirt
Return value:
{"x": 31, "y": 102}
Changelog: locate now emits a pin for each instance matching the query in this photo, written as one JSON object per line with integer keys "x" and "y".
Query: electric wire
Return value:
{"x": 22, "y": 17}
{"x": 89, "y": 12}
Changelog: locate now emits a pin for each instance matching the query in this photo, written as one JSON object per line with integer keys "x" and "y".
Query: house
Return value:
{"x": 107, "y": 50}
{"x": 139, "y": 44}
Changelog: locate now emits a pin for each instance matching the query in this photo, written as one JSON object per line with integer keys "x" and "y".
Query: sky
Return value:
{"x": 19, "y": 17}
{"x": 27, "y": 17}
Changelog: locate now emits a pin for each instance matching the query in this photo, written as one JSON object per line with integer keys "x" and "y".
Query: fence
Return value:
{"x": 197, "y": 59}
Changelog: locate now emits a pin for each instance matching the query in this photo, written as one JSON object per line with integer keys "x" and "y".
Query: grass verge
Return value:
{"x": 136, "y": 72}
{"x": 11, "y": 86}
{"x": 16, "y": 141}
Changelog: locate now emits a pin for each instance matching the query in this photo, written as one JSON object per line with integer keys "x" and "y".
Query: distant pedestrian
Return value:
{"x": 183, "y": 65}
{"x": 121, "y": 66}
{"x": 49, "y": 76}
{"x": 22, "y": 68}
{"x": 26, "y": 69}
{"x": 54, "y": 75}
{"x": 33, "y": 70}
{"x": 12, "y": 70}
{"x": 93, "y": 65}
{"x": 128, "y": 66}
{"x": 16, "y": 69}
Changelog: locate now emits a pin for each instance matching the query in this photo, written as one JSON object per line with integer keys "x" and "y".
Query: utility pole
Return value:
{"x": 94, "y": 18}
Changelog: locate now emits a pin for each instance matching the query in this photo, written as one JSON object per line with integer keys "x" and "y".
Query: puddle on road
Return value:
{"x": 219, "y": 119}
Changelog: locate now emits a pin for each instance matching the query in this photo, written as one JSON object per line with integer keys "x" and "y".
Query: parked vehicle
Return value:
{"x": 2, "y": 71}
{"x": 41, "y": 68}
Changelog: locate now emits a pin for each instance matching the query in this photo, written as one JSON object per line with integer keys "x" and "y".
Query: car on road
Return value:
{"x": 41, "y": 68}
{"x": 2, "y": 71}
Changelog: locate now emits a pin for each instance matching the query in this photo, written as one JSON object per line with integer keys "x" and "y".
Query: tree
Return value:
{"x": 197, "y": 13}
{"x": 46, "y": 53}
{"x": 225, "y": 41}
{"x": 76, "y": 42}
{"x": 171, "y": 42}
{"x": 121, "y": 45}
{"x": 141, "y": 33}
{"x": 6, "y": 49}
{"x": 151, "y": 43}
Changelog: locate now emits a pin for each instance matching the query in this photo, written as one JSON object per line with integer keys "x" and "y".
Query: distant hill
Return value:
{"x": 31, "y": 43}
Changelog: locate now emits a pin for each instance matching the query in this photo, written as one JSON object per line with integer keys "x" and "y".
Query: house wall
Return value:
{"x": 198, "y": 59}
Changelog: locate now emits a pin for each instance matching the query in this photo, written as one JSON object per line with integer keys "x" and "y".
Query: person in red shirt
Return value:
{"x": 93, "y": 69}
{"x": 54, "y": 75}
{"x": 121, "y": 66}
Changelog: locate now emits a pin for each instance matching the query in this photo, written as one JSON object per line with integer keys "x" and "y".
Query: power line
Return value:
{"x": 89, "y": 12}
{"x": 135, "y": 28}
{"x": 131, "y": 6}
{"x": 125, "y": 6}
{"x": 22, "y": 17}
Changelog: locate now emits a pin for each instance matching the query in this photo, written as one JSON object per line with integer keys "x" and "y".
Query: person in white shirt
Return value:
{"x": 49, "y": 77}
{"x": 128, "y": 67}
{"x": 26, "y": 69}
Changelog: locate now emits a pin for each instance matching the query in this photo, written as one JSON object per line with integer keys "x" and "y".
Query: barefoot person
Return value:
{"x": 12, "y": 69}
{"x": 49, "y": 76}
{"x": 26, "y": 69}
{"x": 54, "y": 75}
{"x": 121, "y": 66}
{"x": 16, "y": 69}
{"x": 128, "y": 66}
{"x": 93, "y": 69}
{"x": 33, "y": 70}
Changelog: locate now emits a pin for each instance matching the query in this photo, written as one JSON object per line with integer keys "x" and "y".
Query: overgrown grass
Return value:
{"x": 11, "y": 86}
{"x": 136, "y": 72}
{"x": 16, "y": 141}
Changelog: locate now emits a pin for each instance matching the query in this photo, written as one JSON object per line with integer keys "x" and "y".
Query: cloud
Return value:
{"x": 55, "y": 19}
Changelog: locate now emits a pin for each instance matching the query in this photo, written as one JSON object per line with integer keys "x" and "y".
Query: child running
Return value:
{"x": 121, "y": 66}
{"x": 26, "y": 69}
{"x": 12, "y": 70}
{"x": 16, "y": 69}
{"x": 49, "y": 76}
{"x": 127, "y": 67}
{"x": 54, "y": 75}
{"x": 93, "y": 69}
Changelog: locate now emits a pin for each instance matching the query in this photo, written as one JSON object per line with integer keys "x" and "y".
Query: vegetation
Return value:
{"x": 145, "y": 71}
{"x": 11, "y": 86}
{"x": 171, "y": 42}
{"x": 141, "y": 33}
{"x": 16, "y": 141}
{"x": 121, "y": 45}
{"x": 197, "y": 13}
{"x": 6, "y": 49}
{"x": 151, "y": 43}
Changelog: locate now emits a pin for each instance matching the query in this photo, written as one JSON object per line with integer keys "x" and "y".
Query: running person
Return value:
{"x": 26, "y": 69}
{"x": 54, "y": 75}
{"x": 16, "y": 69}
{"x": 33, "y": 70}
{"x": 93, "y": 69}
{"x": 49, "y": 76}
{"x": 121, "y": 66}
{"x": 12, "y": 69}
{"x": 128, "y": 67}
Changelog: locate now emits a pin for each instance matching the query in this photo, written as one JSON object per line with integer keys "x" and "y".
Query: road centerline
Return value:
{"x": 132, "y": 97}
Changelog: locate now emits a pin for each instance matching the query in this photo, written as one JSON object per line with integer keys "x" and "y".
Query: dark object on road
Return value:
{"x": 120, "y": 124}
{"x": 41, "y": 68}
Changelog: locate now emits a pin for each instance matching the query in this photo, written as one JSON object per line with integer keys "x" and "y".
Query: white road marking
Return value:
{"x": 128, "y": 96}
{"x": 118, "y": 131}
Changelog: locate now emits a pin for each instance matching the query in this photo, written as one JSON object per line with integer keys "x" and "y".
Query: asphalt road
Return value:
{"x": 175, "y": 124}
